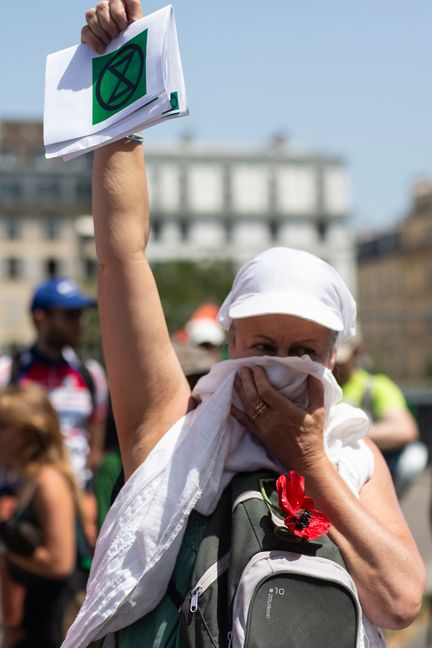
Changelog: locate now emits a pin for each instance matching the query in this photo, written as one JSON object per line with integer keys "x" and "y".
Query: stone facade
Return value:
{"x": 394, "y": 294}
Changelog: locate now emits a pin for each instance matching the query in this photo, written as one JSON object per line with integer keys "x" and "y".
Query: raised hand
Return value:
{"x": 107, "y": 20}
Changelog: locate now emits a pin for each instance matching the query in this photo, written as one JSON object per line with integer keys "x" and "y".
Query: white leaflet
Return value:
{"x": 93, "y": 99}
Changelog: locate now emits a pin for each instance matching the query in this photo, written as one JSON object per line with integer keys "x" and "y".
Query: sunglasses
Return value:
{"x": 69, "y": 314}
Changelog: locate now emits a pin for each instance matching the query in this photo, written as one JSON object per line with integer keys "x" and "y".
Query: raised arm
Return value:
{"x": 149, "y": 390}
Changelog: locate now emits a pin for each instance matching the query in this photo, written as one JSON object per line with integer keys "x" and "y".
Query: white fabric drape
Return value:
{"x": 189, "y": 468}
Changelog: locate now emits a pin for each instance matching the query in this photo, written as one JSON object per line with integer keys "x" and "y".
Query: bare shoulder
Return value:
{"x": 379, "y": 497}
{"x": 380, "y": 478}
{"x": 51, "y": 484}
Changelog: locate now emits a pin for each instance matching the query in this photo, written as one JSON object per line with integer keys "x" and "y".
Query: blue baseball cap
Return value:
{"x": 60, "y": 292}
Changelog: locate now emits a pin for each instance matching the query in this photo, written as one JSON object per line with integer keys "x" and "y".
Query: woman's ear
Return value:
{"x": 332, "y": 361}
{"x": 231, "y": 338}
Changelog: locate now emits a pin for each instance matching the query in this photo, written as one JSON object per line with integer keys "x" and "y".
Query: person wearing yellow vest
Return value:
{"x": 393, "y": 427}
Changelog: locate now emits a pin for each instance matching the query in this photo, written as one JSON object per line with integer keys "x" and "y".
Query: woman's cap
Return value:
{"x": 291, "y": 282}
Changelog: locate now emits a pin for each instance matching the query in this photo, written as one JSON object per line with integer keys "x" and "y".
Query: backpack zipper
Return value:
{"x": 209, "y": 577}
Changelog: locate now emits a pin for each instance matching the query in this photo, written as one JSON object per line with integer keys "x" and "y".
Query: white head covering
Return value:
{"x": 292, "y": 282}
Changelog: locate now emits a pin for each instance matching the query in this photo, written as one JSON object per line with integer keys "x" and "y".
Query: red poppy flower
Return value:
{"x": 302, "y": 518}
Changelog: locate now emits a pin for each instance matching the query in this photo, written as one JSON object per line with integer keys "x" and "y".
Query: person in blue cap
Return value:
{"x": 78, "y": 391}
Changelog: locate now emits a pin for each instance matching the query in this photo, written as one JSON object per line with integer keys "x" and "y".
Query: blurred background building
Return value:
{"x": 207, "y": 204}
{"x": 394, "y": 292}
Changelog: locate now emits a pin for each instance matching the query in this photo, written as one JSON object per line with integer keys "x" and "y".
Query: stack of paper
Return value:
{"x": 93, "y": 99}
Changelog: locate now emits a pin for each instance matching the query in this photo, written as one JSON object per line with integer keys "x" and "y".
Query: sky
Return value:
{"x": 346, "y": 78}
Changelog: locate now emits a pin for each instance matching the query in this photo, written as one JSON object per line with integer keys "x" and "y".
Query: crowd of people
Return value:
{"x": 77, "y": 392}
{"x": 60, "y": 459}
{"x": 246, "y": 387}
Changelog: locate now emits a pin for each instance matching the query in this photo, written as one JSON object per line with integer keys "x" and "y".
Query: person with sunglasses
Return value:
{"x": 78, "y": 390}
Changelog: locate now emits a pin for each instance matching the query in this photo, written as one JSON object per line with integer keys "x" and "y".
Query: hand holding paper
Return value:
{"x": 92, "y": 99}
{"x": 106, "y": 21}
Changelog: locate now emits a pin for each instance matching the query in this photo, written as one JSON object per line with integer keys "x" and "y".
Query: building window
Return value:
{"x": 322, "y": 227}
{"x": 10, "y": 191}
{"x": 184, "y": 230}
{"x": 156, "y": 230}
{"x": 84, "y": 191}
{"x": 90, "y": 269}
{"x": 52, "y": 267}
{"x": 13, "y": 268}
{"x": 48, "y": 189}
{"x": 274, "y": 230}
{"x": 228, "y": 231}
{"x": 51, "y": 228}
{"x": 12, "y": 228}
{"x": 7, "y": 152}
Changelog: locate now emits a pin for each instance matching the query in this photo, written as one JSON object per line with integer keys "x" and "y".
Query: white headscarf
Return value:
{"x": 291, "y": 282}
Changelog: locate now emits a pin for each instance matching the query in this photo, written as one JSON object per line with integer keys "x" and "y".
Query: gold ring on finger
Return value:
{"x": 258, "y": 410}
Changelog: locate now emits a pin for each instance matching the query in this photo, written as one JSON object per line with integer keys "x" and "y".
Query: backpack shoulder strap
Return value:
{"x": 89, "y": 380}
{"x": 255, "y": 529}
{"x": 73, "y": 359}
{"x": 17, "y": 365}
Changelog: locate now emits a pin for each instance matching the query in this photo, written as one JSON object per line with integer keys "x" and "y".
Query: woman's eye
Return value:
{"x": 300, "y": 351}
{"x": 268, "y": 349}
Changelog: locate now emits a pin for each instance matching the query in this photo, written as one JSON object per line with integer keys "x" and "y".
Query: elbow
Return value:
{"x": 61, "y": 572}
{"x": 62, "y": 568}
{"x": 403, "y": 614}
{"x": 401, "y": 608}
{"x": 410, "y": 429}
{"x": 394, "y": 602}
{"x": 409, "y": 432}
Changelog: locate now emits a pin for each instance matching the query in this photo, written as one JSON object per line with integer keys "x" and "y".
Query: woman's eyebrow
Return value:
{"x": 261, "y": 336}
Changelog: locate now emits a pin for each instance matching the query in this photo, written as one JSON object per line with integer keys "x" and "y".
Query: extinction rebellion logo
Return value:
{"x": 119, "y": 78}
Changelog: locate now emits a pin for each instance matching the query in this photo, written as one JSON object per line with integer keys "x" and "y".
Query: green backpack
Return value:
{"x": 255, "y": 586}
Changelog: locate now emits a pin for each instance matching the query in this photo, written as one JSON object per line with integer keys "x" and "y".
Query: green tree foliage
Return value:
{"x": 91, "y": 346}
{"x": 185, "y": 285}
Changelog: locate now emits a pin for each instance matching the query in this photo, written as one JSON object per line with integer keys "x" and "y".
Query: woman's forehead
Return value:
{"x": 281, "y": 325}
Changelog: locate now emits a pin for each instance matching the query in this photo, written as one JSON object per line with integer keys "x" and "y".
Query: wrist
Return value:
{"x": 316, "y": 464}
{"x": 134, "y": 137}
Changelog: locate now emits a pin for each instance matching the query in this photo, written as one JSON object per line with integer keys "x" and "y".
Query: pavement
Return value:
{"x": 415, "y": 505}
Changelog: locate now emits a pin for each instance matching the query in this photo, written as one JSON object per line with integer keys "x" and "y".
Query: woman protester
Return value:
{"x": 286, "y": 308}
{"x": 39, "y": 541}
